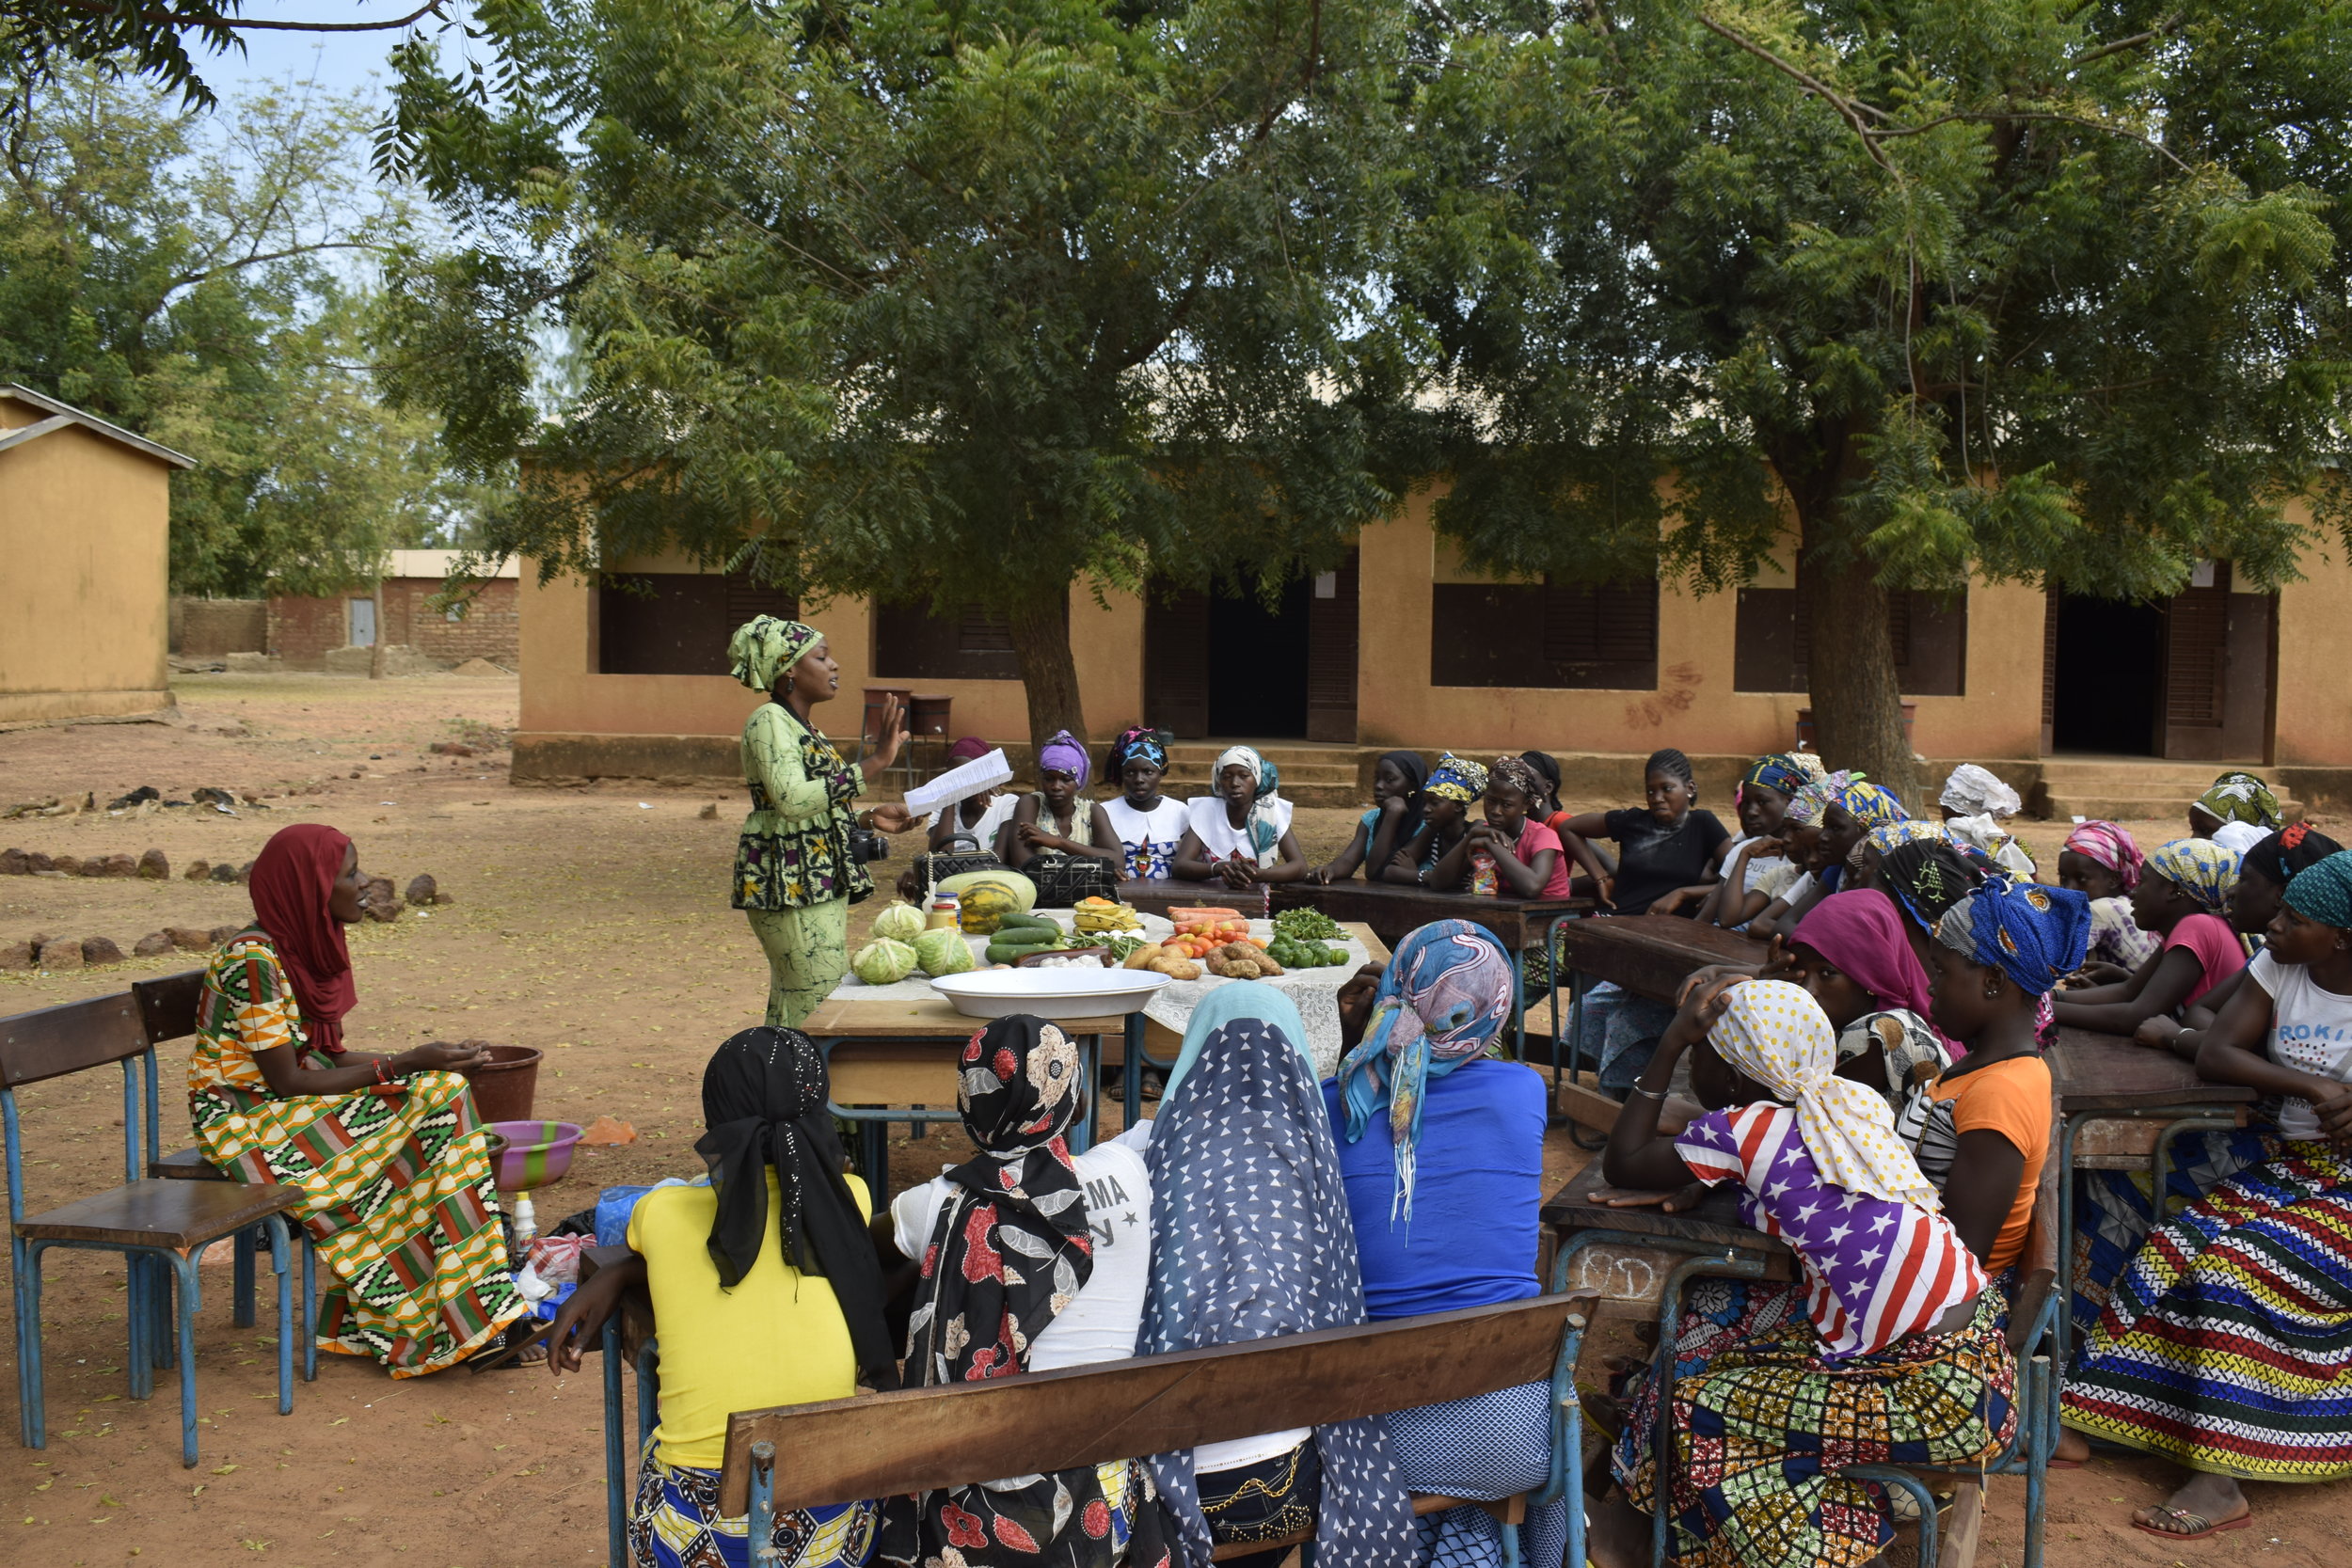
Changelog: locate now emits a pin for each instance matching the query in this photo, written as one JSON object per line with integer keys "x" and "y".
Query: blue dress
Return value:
{"x": 1470, "y": 1241}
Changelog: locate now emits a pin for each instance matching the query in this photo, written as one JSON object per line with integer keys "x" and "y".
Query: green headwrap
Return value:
{"x": 764, "y": 649}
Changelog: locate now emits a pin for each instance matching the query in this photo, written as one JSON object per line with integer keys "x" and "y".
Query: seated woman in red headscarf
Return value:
{"x": 394, "y": 1169}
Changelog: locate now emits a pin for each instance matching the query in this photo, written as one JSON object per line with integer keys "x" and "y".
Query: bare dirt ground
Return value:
{"x": 592, "y": 923}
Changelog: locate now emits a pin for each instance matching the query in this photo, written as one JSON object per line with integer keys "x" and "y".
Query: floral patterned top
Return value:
{"x": 247, "y": 1007}
{"x": 794, "y": 849}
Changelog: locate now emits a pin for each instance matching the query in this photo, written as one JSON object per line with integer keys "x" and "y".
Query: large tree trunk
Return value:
{"x": 1040, "y": 637}
{"x": 1857, "y": 703}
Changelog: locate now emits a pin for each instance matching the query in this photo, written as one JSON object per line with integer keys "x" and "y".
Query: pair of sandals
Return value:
{"x": 2194, "y": 1526}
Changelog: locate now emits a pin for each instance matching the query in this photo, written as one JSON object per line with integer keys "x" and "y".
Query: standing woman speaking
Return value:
{"x": 795, "y": 875}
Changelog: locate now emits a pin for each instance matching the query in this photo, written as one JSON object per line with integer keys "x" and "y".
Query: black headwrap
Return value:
{"x": 2287, "y": 851}
{"x": 1928, "y": 876}
{"x": 1668, "y": 760}
{"x": 1547, "y": 769}
{"x": 1416, "y": 774}
{"x": 764, "y": 1104}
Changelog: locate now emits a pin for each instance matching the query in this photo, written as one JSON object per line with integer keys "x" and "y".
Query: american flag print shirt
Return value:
{"x": 1875, "y": 1269}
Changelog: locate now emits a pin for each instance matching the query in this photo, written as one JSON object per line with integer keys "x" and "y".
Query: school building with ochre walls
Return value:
{"x": 2078, "y": 702}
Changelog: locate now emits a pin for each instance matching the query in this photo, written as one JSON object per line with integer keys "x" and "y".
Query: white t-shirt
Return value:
{"x": 2310, "y": 1031}
{"x": 1209, "y": 1457}
{"x": 1206, "y": 816}
{"x": 1101, "y": 1324}
{"x": 1151, "y": 836}
{"x": 1762, "y": 869}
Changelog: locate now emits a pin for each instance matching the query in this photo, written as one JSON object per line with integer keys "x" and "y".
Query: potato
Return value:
{"x": 1142, "y": 957}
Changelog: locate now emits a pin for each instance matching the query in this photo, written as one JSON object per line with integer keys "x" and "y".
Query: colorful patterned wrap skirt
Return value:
{"x": 2227, "y": 1345}
{"x": 1761, "y": 1430}
{"x": 399, "y": 1201}
{"x": 677, "y": 1524}
{"x": 2112, "y": 1211}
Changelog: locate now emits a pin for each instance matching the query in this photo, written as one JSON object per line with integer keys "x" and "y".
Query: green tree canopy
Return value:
{"x": 918, "y": 298}
{"x": 188, "y": 278}
{"x": 2040, "y": 291}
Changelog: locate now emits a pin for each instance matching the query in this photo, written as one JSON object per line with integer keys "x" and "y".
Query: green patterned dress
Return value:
{"x": 396, "y": 1177}
{"x": 794, "y": 875}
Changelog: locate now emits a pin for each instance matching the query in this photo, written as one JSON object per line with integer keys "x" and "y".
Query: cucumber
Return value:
{"x": 1000, "y": 954}
{"x": 1029, "y": 922}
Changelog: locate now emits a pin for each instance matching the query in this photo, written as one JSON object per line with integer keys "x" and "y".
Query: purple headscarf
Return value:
{"x": 1861, "y": 932}
{"x": 1063, "y": 754}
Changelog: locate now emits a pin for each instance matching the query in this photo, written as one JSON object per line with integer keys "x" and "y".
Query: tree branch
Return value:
{"x": 1849, "y": 110}
{"x": 165, "y": 16}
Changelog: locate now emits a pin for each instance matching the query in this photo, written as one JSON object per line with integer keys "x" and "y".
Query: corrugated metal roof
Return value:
{"x": 63, "y": 414}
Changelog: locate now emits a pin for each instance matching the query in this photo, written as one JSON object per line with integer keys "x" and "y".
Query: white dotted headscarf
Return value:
{"x": 1776, "y": 1034}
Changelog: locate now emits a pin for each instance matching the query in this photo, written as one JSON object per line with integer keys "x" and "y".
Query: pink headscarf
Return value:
{"x": 2109, "y": 846}
{"x": 1861, "y": 932}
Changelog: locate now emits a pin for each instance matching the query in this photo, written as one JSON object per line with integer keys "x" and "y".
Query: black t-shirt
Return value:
{"x": 1653, "y": 860}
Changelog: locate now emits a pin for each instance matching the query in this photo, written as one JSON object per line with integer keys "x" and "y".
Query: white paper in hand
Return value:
{"x": 961, "y": 783}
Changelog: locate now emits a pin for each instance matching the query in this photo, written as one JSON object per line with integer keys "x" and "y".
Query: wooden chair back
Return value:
{"x": 167, "y": 1004}
{"x": 879, "y": 1445}
{"x": 71, "y": 1037}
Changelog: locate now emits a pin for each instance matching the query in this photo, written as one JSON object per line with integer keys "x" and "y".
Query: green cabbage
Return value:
{"x": 900, "y": 922}
{"x": 883, "y": 962}
{"x": 942, "y": 952}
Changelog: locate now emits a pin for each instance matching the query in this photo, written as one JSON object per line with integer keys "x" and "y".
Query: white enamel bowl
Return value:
{"x": 1049, "y": 992}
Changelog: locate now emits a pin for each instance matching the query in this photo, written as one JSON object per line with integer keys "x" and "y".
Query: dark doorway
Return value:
{"x": 1259, "y": 658}
{"x": 2108, "y": 676}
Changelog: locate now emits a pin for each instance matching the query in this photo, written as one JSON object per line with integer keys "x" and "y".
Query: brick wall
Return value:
{"x": 207, "y": 628}
{"x": 489, "y": 627}
{"x": 303, "y": 631}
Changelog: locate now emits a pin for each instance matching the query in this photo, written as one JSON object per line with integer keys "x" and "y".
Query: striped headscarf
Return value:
{"x": 1264, "y": 831}
{"x": 1446, "y": 993}
{"x": 2107, "y": 844}
{"x": 1776, "y": 1034}
{"x": 2206, "y": 870}
{"x": 2240, "y": 796}
{"x": 1457, "y": 779}
{"x": 2324, "y": 891}
{"x": 2033, "y": 934}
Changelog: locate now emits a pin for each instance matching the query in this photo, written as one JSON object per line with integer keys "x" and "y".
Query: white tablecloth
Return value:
{"x": 1315, "y": 992}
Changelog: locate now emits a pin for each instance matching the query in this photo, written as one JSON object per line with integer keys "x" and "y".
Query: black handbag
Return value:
{"x": 1063, "y": 880}
{"x": 934, "y": 866}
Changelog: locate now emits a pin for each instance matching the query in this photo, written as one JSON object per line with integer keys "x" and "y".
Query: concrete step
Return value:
{"x": 2138, "y": 808}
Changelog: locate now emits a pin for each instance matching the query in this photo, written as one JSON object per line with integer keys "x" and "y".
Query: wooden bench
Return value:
{"x": 884, "y": 1445}
{"x": 153, "y": 1223}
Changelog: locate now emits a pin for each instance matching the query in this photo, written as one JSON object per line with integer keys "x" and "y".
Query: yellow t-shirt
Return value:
{"x": 775, "y": 1339}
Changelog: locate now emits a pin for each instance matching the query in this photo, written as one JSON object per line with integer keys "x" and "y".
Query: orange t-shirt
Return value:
{"x": 2013, "y": 1098}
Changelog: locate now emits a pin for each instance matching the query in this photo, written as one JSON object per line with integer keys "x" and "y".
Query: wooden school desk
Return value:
{"x": 1648, "y": 954}
{"x": 2121, "y": 1106}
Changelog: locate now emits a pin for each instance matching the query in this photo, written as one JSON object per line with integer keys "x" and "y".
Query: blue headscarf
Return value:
{"x": 2323, "y": 891}
{"x": 1872, "y": 805}
{"x": 1132, "y": 745}
{"x": 1227, "y": 1004}
{"x": 1778, "y": 771}
{"x": 1251, "y": 1238}
{"x": 2035, "y": 935}
{"x": 1443, "y": 998}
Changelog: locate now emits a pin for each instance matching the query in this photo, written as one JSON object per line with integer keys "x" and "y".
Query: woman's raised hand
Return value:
{"x": 883, "y": 751}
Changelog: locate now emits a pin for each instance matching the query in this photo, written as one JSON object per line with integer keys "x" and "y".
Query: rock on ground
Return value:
{"x": 18, "y": 955}
{"x": 422, "y": 889}
{"x": 198, "y": 869}
{"x": 61, "y": 953}
{"x": 152, "y": 946}
{"x": 155, "y": 865}
{"x": 70, "y": 866}
{"x": 113, "y": 865}
{"x": 189, "y": 939}
{"x": 100, "y": 950}
{"x": 224, "y": 873}
{"x": 219, "y": 934}
{"x": 15, "y": 863}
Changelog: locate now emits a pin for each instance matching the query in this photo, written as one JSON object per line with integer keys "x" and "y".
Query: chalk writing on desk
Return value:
{"x": 1620, "y": 1274}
